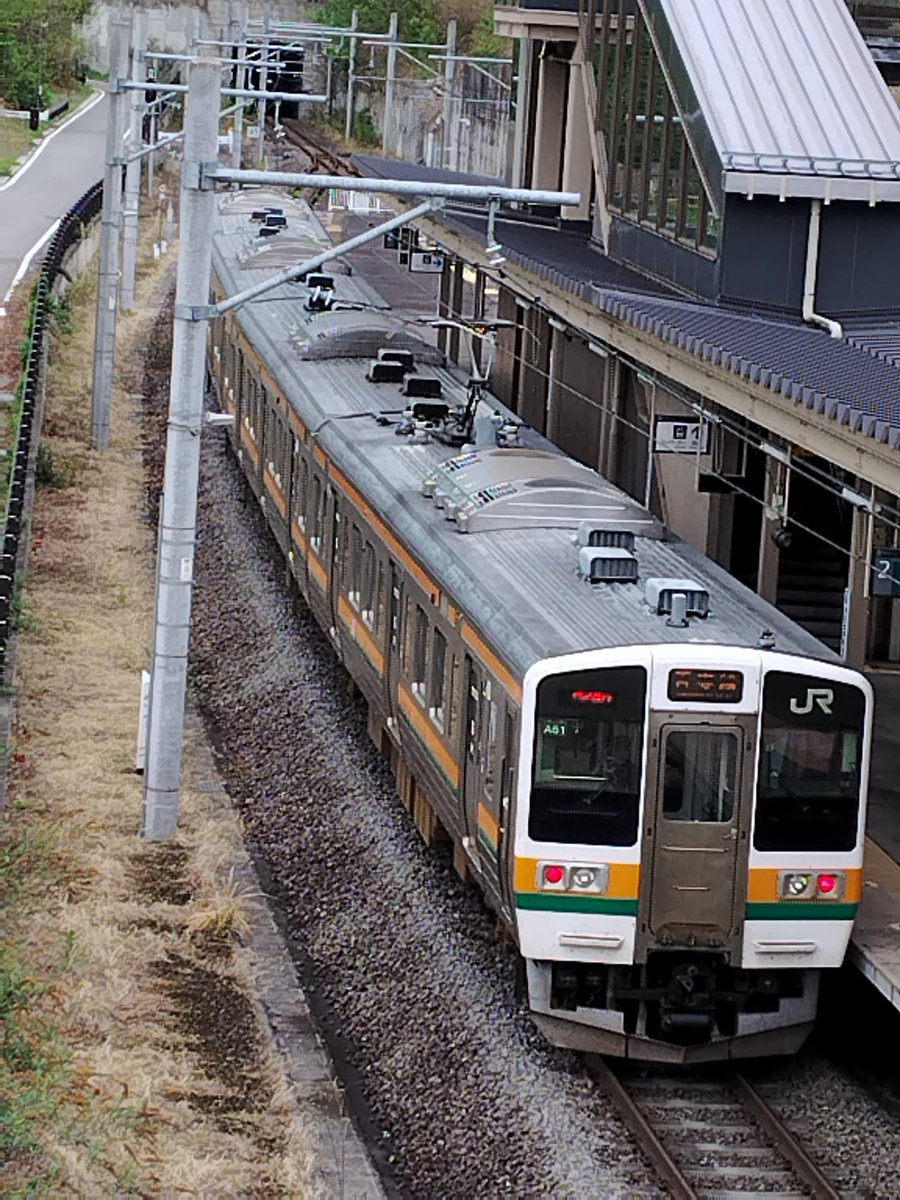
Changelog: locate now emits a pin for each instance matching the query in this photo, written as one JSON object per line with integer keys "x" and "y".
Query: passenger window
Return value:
{"x": 489, "y": 708}
{"x": 700, "y": 776}
{"x": 453, "y": 698}
{"x": 301, "y": 480}
{"x": 438, "y": 671}
{"x": 316, "y": 513}
{"x": 354, "y": 575}
{"x": 369, "y": 585}
{"x": 420, "y": 653}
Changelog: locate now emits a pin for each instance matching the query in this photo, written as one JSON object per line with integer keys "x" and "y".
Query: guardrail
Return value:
{"x": 28, "y": 403}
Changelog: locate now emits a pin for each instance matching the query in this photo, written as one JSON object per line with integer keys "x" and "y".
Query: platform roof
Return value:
{"x": 780, "y": 97}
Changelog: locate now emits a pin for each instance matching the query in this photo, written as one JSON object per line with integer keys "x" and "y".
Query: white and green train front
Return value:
{"x": 688, "y": 845}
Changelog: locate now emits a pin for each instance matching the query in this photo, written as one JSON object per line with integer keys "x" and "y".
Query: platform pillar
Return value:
{"x": 774, "y": 511}
{"x": 578, "y": 161}
{"x": 855, "y": 623}
{"x": 549, "y": 121}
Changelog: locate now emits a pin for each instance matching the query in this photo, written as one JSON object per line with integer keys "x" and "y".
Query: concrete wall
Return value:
{"x": 170, "y": 23}
{"x": 477, "y": 141}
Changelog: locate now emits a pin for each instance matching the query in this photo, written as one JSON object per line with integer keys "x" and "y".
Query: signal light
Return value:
{"x": 554, "y": 874}
{"x": 826, "y": 883}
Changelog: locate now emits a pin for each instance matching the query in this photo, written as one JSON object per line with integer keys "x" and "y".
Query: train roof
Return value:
{"x": 502, "y": 543}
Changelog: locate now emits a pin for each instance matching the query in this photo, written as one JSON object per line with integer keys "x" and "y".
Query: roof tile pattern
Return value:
{"x": 854, "y": 381}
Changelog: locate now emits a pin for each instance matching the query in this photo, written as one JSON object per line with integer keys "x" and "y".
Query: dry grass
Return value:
{"x": 125, "y": 954}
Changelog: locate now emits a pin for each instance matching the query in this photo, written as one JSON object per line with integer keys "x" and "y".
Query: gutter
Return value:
{"x": 810, "y": 316}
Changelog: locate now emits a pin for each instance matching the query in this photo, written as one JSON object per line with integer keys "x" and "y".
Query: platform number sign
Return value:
{"x": 886, "y": 572}
{"x": 680, "y": 435}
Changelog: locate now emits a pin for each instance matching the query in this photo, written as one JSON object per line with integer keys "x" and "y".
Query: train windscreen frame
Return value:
{"x": 588, "y": 756}
{"x": 810, "y": 764}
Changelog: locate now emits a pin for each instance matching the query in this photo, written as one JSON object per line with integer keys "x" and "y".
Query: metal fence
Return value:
{"x": 28, "y": 403}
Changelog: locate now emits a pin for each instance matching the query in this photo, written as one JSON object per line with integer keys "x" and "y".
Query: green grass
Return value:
{"x": 43, "y": 1102}
{"x": 15, "y": 140}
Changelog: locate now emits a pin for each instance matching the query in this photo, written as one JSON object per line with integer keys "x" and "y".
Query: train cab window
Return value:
{"x": 809, "y": 764}
{"x": 699, "y": 776}
{"x": 436, "y": 707}
{"x": 588, "y": 757}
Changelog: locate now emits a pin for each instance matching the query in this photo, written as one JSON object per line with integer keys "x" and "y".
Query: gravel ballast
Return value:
{"x": 459, "y": 1092}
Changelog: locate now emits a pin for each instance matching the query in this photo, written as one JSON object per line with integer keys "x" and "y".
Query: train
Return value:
{"x": 656, "y": 780}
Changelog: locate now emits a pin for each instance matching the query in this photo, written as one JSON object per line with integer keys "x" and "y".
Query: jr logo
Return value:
{"x": 823, "y": 697}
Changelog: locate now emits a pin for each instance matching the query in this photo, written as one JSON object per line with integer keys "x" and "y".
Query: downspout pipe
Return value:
{"x": 810, "y": 316}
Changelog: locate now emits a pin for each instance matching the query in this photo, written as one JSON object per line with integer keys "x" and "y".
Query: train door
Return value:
{"x": 505, "y": 855}
{"x": 332, "y": 555}
{"x": 393, "y": 625}
{"x": 479, "y": 768}
{"x": 695, "y": 833}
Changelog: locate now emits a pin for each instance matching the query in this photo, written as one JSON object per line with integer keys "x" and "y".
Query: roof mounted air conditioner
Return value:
{"x": 659, "y": 593}
{"x": 423, "y": 387}
{"x": 607, "y": 564}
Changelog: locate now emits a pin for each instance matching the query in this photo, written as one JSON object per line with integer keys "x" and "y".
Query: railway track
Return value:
{"x": 322, "y": 157}
{"x": 711, "y": 1136}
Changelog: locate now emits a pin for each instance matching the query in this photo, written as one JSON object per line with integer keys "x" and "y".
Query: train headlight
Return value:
{"x": 584, "y": 877}
{"x": 796, "y": 885}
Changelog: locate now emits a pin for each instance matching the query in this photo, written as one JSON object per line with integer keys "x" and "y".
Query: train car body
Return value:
{"x": 657, "y": 780}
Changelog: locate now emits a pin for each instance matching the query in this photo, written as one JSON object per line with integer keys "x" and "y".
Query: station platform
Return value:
{"x": 875, "y": 947}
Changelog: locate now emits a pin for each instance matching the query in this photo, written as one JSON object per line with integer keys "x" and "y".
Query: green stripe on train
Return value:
{"x": 556, "y": 902}
{"x": 802, "y": 910}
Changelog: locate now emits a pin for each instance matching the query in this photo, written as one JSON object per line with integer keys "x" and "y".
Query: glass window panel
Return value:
{"x": 700, "y": 776}
{"x": 810, "y": 755}
{"x": 588, "y": 757}
{"x": 438, "y": 670}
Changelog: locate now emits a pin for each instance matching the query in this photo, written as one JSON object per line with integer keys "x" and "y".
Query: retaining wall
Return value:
{"x": 169, "y": 25}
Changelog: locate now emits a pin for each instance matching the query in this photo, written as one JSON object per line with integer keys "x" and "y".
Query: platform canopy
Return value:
{"x": 780, "y": 97}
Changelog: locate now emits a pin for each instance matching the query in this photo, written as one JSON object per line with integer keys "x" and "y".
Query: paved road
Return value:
{"x": 68, "y": 163}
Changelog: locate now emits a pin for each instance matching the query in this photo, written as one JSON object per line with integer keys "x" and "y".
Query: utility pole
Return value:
{"x": 391, "y": 76}
{"x": 351, "y": 77}
{"x": 237, "y": 131}
{"x": 263, "y": 86}
{"x": 178, "y": 517}
{"x": 133, "y": 170}
{"x": 451, "y": 144}
{"x": 110, "y": 221}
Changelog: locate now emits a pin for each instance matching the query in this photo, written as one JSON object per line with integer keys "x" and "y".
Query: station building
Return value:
{"x": 716, "y": 326}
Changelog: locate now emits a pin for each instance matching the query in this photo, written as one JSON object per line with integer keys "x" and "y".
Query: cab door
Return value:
{"x": 695, "y": 836}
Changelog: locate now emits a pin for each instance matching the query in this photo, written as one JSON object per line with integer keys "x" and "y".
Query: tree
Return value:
{"x": 419, "y": 19}
{"x": 38, "y": 47}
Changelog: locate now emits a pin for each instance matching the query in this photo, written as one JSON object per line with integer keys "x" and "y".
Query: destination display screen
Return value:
{"x": 698, "y": 685}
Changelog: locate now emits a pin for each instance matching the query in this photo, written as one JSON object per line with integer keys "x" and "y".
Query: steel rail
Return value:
{"x": 790, "y": 1147}
{"x": 660, "y": 1159}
